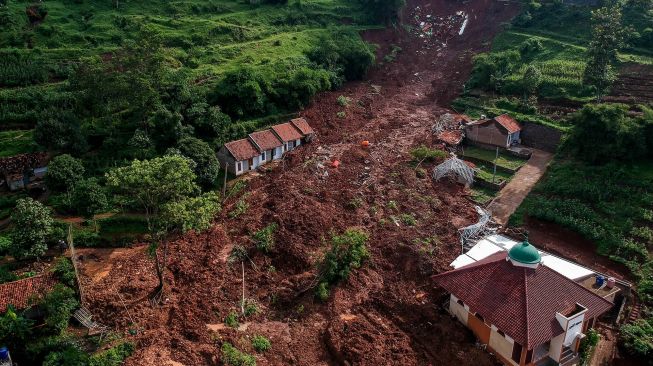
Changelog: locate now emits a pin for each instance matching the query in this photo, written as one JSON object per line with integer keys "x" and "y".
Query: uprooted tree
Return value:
{"x": 165, "y": 189}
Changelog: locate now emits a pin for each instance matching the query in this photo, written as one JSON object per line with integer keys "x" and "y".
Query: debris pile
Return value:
{"x": 18, "y": 164}
{"x": 436, "y": 31}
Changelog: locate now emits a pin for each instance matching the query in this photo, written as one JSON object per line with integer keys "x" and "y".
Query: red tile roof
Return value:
{"x": 508, "y": 123}
{"x": 265, "y": 140}
{"x": 242, "y": 149}
{"x": 520, "y": 301}
{"x": 302, "y": 125}
{"x": 20, "y": 293}
{"x": 451, "y": 137}
{"x": 287, "y": 132}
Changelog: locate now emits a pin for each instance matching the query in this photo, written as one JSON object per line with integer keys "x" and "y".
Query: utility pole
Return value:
{"x": 224, "y": 184}
{"x": 496, "y": 157}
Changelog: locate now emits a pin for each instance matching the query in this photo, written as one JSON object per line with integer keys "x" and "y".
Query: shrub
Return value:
{"x": 345, "y": 54}
{"x": 59, "y": 305}
{"x": 637, "y": 338}
{"x": 232, "y": 320}
{"x": 233, "y": 357}
{"x": 6, "y": 275}
{"x": 348, "y": 251}
{"x": 264, "y": 238}
{"x": 426, "y": 154}
{"x": 491, "y": 69}
{"x": 343, "y": 101}
{"x": 341, "y": 114}
{"x": 261, "y": 344}
{"x": 250, "y": 307}
{"x": 114, "y": 356}
{"x": 64, "y": 271}
{"x": 239, "y": 209}
{"x": 408, "y": 219}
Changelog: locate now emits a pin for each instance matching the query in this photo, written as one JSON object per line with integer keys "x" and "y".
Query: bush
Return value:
{"x": 343, "y": 101}
{"x": 343, "y": 53}
{"x": 59, "y": 305}
{"x": 64, "y": 172}
{"x": 264, "y": 238}
{"x": 233, "y": 357}
{"x": 113, "y": 356}
{"x": 231, "y": 320}
{"x": 491, "y": 69}
{"x": 64, "y": 271}
{"x": 348, "y": 251}
{"x": 260, "y": 343}
{"x": 6, "y": 275}
{"x": 423, "y": 153}
{"x": 637, "y": 338}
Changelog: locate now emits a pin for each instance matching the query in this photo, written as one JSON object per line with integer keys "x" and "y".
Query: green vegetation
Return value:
{"x": 505, "y": 159}
{"x": 587, "y": 345}
{"x": 233, "y": 357}
{"x": 408, "y": 219}
{"x": 482, "y": 195}
{"x": 637, "y": 338}
{"x": 264, "y": 238}
{"x": 348, "y": 252}
{"x": 261, "y": 344}
{"x": 16, "y": 142}
{"x": 424, "y": 153}
{"x": 32, "y": 228}
{"x": 231, "y": 320}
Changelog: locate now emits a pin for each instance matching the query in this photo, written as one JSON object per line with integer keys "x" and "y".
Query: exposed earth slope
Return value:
{"x": 388, "y": 312}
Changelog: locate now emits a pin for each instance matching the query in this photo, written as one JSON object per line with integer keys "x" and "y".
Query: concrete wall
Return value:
{"x": 501, "y": 346}
{"x": 540, "y": 137}
{"x": 278, "y": 153}
{"x": 489, "y": 134}
{"x": 459, "y": 311}
{"x": 224, "y": 157}
{"x": 556, "y": 347}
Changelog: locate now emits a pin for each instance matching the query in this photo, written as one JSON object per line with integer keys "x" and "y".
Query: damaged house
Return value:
{"x": 261, "y": 147}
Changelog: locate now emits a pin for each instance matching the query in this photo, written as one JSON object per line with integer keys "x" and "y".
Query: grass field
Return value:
{"x": 15, "y": 142}
{"x": 505, "y": 159}
{"x": 611, "y": 205}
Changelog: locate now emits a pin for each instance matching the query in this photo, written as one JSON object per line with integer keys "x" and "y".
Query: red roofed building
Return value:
{"x": 525, "y": 312}
{"x": 503, "y": 131}
{"x": 24, "y": 293}
{"x": 260, "y": 147}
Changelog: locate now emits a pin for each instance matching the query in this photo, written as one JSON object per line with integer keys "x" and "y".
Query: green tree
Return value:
{"x": 207, "y": 166}
{"x": 14, "y": 329}
{"x": 59, "y": 305}
{"x": 64, "y": 172}
{"x": 153, "y": 183}
{"x": 605, "y": 132}
{"x": 33, "y": 224}
{"x": 383, "y": 11}
{"x": 608, "y": 36}
{"x": 90, "y": 198}
{"x": 531, "y": 80}
{"x": 61, "y": 133}
{"x": 192, "y": 213}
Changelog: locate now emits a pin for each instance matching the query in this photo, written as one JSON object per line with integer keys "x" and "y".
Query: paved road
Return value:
{"x": 512, "y": 195}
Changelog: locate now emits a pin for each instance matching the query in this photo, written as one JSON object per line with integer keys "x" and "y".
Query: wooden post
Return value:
{"x": 73, "y": 258}
{"x": 224, "y": 184}
{"x": 496, "y": 157}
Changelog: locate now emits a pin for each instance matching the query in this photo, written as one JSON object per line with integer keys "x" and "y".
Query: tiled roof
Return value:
{"x": 302, "y": 126}
{"x": 520, "y": 301}
{"x": 451, "y": 137}
{"x": 508, "y": 123}
{"x": 242, "y": 149}
{"x": 266, "y": 140}
{"x": 20, "y": 293}
{"x": 287, "y": 132}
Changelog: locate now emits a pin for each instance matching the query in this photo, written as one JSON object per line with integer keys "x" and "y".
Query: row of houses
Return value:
{"x": 262, "y": 147}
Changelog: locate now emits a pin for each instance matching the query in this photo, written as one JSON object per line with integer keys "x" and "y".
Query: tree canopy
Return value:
{"x": 64, "y": 171}
{"x": 32, "y": 226}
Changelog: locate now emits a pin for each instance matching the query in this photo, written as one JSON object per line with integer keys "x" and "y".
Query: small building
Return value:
{"x": 289, "y": 135}
{"x": 239, "y": 156}
{"x": 19, "y": 170}
{"x": 304, "y": 128}
{"x": 529, "y": 307}
{"x": 502, "y": 131}
{"x": 23, "y": 293}
{"x": 268, "y": 144}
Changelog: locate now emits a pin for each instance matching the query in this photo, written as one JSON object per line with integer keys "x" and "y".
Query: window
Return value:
{"x": 239, "y": 166}
{"x": 263, "y": 156}
{"x": 529, "y": 356}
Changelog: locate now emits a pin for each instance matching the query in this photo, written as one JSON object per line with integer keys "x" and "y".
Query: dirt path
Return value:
{"x": 512, "y": 195}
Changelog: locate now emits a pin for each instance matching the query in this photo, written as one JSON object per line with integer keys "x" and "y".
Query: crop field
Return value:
{"x": 15, "y": 142}
{"x": 505, "y": 159}
{"x": 203, "y": 40}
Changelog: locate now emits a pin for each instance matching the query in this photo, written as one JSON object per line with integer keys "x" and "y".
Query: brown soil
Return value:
{"x": 634, "y": 86}
{"x": 388, "y": 312}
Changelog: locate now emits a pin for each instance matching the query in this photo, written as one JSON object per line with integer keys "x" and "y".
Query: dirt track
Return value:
{"x": 388, "y": 313}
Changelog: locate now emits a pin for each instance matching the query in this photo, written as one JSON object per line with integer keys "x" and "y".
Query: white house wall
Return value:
{"x": 501, "y": 345}
{"x": 556, "y": 347}
{"x": 278, "y": 152}
{"x": 459, "y": 311}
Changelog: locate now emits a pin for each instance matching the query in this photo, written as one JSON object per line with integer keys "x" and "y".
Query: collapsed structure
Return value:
{"x": 261, "y": 147}
{"x": 456, "y": 170}
{"x": 529, "y": 307}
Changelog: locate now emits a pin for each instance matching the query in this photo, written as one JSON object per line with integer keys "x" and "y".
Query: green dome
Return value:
{"x": 524, "y": 253}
